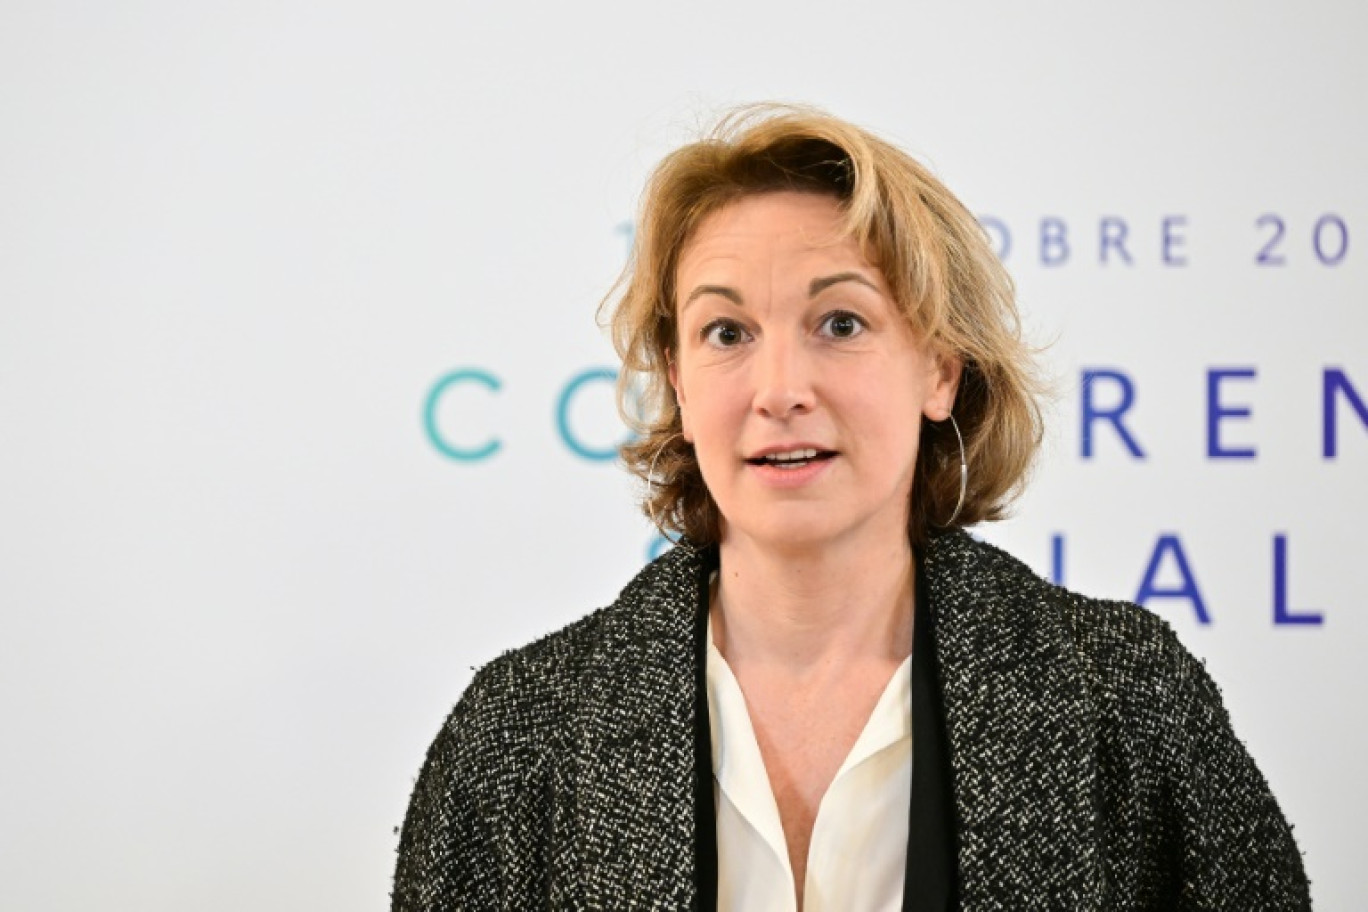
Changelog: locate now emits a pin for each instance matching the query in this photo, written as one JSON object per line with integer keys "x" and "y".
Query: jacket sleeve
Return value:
{"x": 445, "y": 857}
{"x": 1237, "y": 850}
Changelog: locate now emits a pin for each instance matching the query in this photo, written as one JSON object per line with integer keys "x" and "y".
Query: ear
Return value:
{"x": 679, "y": 399}
{"x": 946, "y": 369}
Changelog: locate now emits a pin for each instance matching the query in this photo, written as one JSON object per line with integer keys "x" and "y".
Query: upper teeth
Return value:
{"x": 791, "y": 455}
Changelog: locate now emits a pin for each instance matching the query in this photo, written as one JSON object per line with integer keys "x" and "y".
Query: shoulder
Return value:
{"x": 510, "y": 761}
{"x": 529, "y": 699}
{"x": 977, "y": 572}
{"x": 1131, "y": 655}
{"x": 1170, "y": 761}
{"x": 1172, "y": 771}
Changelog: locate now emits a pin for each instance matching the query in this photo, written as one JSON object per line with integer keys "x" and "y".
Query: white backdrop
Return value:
{"x": 263, "y": 264}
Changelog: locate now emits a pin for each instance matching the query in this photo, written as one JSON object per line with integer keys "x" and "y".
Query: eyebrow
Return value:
{"x": 731, "y": 294}
{"x": 815, "y": 287}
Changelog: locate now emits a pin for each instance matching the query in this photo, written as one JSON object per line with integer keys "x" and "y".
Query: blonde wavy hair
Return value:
{"x": 934, "y": 255}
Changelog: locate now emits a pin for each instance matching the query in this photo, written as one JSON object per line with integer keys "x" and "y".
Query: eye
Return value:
{"x": 724, "y": 334}
{"x": 842, "y": 324}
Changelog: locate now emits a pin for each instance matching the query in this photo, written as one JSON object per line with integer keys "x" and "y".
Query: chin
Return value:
{"x": 788, "y": 530}
{"x": 807, "y": 526}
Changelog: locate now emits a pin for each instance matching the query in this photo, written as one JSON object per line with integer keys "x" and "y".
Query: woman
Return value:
{"x": 826, "y": 696}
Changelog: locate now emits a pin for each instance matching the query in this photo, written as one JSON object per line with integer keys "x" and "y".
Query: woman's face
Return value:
{"x": 801, "y": 385}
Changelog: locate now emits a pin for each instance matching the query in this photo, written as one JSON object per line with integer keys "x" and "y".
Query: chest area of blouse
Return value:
{"x": 812, "y": 786}
{"x": 805, "y": 731}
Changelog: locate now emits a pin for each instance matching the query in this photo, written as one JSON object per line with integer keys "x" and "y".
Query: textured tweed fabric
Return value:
{"x": 1094, "y": 766}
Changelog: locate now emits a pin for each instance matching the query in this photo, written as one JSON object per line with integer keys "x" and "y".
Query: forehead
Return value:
{"x": 783, "y": 223}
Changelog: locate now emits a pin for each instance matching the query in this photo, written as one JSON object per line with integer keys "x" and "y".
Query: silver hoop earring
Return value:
{"x": 651, "y": 484}
{"x": 964, "y": 475}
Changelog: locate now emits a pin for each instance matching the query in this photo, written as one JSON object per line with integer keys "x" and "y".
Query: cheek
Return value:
{"x": 884, "y": 414}
{"x": 713, "y": 425}
{"x": 885, "y": 401}
{"x": 693, "y": 411}
{"x": 705, "y": 426}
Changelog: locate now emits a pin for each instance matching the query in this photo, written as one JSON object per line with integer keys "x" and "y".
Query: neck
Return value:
{"x": 801, "y": 609}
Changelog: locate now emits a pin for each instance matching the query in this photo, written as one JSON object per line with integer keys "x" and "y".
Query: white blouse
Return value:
{"x": 859, "y": 839}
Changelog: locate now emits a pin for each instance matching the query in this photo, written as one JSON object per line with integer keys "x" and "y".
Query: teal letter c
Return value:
{"x": 455, "y": 378}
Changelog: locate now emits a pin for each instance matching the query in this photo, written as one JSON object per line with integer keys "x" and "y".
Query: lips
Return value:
{"x": 790, "y": 456}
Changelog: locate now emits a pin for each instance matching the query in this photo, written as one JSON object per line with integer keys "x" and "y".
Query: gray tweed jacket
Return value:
{"x": 1093, "y": 764}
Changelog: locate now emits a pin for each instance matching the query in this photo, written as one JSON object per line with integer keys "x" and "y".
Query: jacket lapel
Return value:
{"x": 635, "y": 783}
{"x": 1021, "y": 726}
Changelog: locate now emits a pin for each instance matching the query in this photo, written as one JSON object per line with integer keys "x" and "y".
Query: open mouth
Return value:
{"x": 792, "y": 459}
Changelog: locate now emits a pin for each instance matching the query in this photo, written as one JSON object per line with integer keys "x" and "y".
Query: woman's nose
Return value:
{"x": 783, "y": 381}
